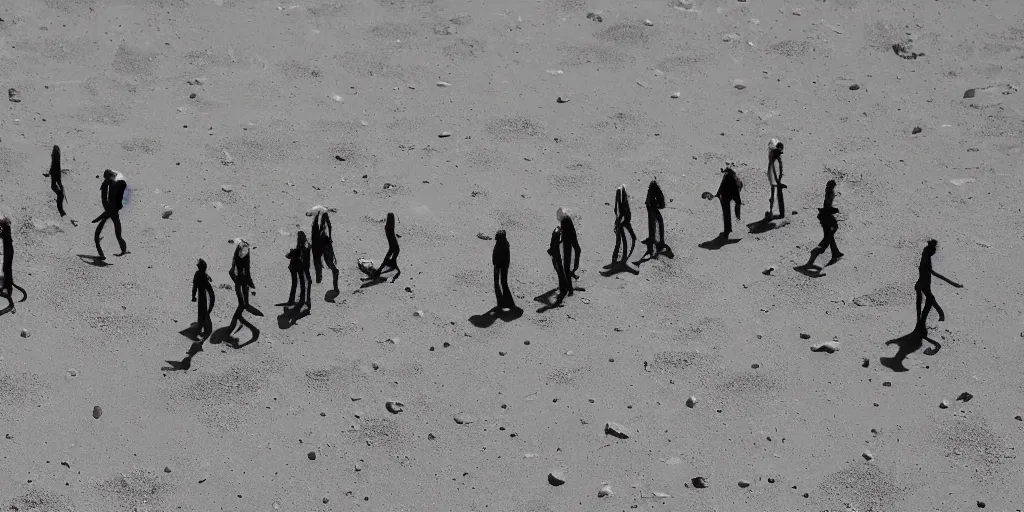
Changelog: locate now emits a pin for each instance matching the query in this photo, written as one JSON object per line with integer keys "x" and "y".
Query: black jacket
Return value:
{"x": 501, "y": 257}
{"x": 112, "y": 195}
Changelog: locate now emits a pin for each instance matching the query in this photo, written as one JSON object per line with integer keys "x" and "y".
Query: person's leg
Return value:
{"x": 506, "y": 293}
{"x": 620, "y": 240}
{"x": 332, "y": 262}
{"x": 832, "y": 244}
{"x": 309, "y": 287}
{"x": 240, "y": 295}
{"x": 116, "y": 219}
{"x": 782, "y": 201}
{"x": 726, "y": 217}
{"x": 303, "y": 295}
{"x": 318, "y": 266}
{"x": 931, "y": 302}
{"x": 291, "y": 293}
{"x": 557, "y": 263}
{"x": 97, "y": 236}
{"x": 771, "y": 201}
{"x": 651, "y": 241}
{"x": 497, "y": 289}
{"x": 58, "y": 189}
{"x": 8, "y": 293}
{"x": 661, "y": 229}
{"x": 629, "y": 227}
{"x": 920, "y": 297}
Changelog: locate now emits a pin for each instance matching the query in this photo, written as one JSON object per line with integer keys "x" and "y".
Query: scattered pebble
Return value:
{"x": 596, "y": 16}
{"x": 606, "y": 490}
{"x": 662, "y": 495}
{"x": 394, "y": 407}
{"x": 13, "y": 95}
{"x": 443, "y": 135}
{"x": 97, "y": 412}
{"x": 805, "y": 336}
{"x": 981, "y": 504}
{"x": 738, "y": 84}
{"x": 916, "y": 130}
{"x": 482, "y": 236}
{"x": 1019, "y": 417}
{"x": 419, "y": 313}
{"x": 969, "y": 93}
{"x": 227, "y": 160}
{"x": 768, "y": 271}
{"x": 854, "y": 87}
{"x": 562, "y": 99}
{"x": 755, "y": 366}
{"x": 744, "y": 484}
{"x": 226, "y": 188}
{"x": 964, "y": 397}
{"x": 311, "y": 455}
{"x": 556, "y": 478}
{"x": 443, "y": 84}
{"x": 868, "y": 455}
{"x": 865, "y": 362}
{"x": 25, "y": 333}
{"x": 649, "y": 23}
{"x": 72, "y": 372}
{"x": 691, "y": 402}
{"x": 944, "y": 404}
{"x": 463, "y": 418}
{"x": 961, "y": 181}
{"x": 829, "y": 347}
{"x": 167, "y": 469}
{"x": 614, "y": 429}
{"x": 699, "y": 482}
{"x": 167, "y": 212}
{"x": 675, "y": 95}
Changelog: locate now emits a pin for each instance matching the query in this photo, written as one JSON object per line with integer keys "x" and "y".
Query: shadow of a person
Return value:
{"x": 908, "y": 344}
{"x": 619, "y": 267}
{"x": 550, "y": 299}
{"x": 718, "y": 242}
{"x": 93, "y": 260}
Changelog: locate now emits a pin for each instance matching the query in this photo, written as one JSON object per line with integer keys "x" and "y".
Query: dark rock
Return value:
{"x": 854, "y": 87}
{"x": 311, "y": 455}
{"x": 614, "y": 429}
{"x": 965, "y": 397}
{"x": 97, "y": 412}
{"x": 969, "y": 93}
{"x": 805, "y": 336}
{"x": 556, "y": 478}
{"x": 699, "y": 482}
{"x": 916, "y": 130}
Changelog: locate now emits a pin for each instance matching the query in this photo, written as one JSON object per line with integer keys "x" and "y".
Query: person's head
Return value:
{"x": 830, "y": 185}
{"x": 5, "y": 226}
{"x": 390, "y": 222}
{"x": 56, "y": 151}
{"x": 301, "y": 238}
{"x": 109, "y": 174}
{"x": 500, "y": 235}
{"x": 728, "y": 170}
{"x": 778, "y": 148}
{"x": 931, "y": 247}
{"x": 201, "y": 265}
{"x": 562, "y": 213}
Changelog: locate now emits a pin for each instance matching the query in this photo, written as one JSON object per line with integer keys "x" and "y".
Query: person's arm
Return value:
{"x": 778, "y": 177}
{"x": 576, "y": 249}
{"x": 103, "y": 195}
{"x": 195, "y": 288}
{"x": 330, "y": 229}
{"x": 213, "y": 296}
{"x": 946, "y": 279}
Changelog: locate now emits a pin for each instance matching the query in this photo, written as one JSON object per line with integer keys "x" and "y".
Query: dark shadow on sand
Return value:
{"x": 810, "y": 270}
{"x": 93, "y": 260}
{"x": 718, "y": 242}
{"x": 291, "y": 316}
{"x": 618, "y": 268}
{"x": 488, "y": 318}
{"x": 908, "y": 344}
{"x": 767, "y": 224}
{"x": 331, "y": 295}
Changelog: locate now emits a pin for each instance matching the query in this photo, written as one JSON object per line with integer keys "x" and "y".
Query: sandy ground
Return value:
{"x": 109, "y": 82}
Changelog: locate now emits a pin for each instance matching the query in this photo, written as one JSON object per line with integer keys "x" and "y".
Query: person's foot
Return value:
{"x": 101, "y": 258}
{"x": 123, "y": 253}
{"x": 836, "y": 256}
{"x": 942, "y": 318}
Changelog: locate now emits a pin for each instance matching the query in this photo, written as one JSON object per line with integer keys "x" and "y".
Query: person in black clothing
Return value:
{"x": 323, "y": 243}
{"x": 829, "y": 226}
{"x": 501, "y": 257}
{"x": 623, "y": 224}
{"x": 655, "y": 202}
{"x": 112, "y": 196}
{"x": 570, "y": 247}
{"x": 729, "y": 190}
{"x": 564, "y": 285}
{"x": 241, "y": 276}
{"x": 7, "y": 285}
{"x": 924, "y": 286}
{"x": 55, "y": 175}
{"x": 202, "y": 292}
{"x": 391, "y": 258}
{"x": 775, "y": 179}
{"x": 298, "y": 265}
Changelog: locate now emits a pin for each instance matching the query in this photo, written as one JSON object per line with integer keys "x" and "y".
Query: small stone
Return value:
{"x": 755, "y": 366}
{"x": 568, "y": 352}
{"x": 887, "y": 384}
{"x": 616, "y": 430}
{"x": 730, "y": 37}
{"x": 326, "y": 500}
{"x": 805, "y": 336}
{"x": 72, "y": 372}
{"x": 482, "y": 236}
{"x": 829, "y": 347}
{"x": 867, "y": 455}
{"x": 25, "y": 333}
{"x": 501, "y": 353}
{"x": 699, "y": 482}
{"x": 649, "y": 23}
{"x": 1019, "y": 417}
{"x": 226, "y": 188}
{"x": 419, "y": 313}
{"x": 562, "y": 99}
{"x": 865, "y": 362}
{"x": 854, "y": 87}
{"x": 556, "y": 478}
{"x": 661, "y": 495}
{"x": 675, "y": 95}
{"x": 167, "y": 469}
{"x": 964, "y": 397}
{"x": 394, "y": 407}
{"x": 463, "y": 418}
{"x": 969, "y": 93}
{"x": 97, "y": 412}
{"x": 443, "y": 84}
{"x": 311, "y": 455}
{"x": 771, "y": 480}
{"x": 944, "y": 404}
{"x": 916, "y": 130}
{"x": 443, "y": 135}
{"x": 738, "y": 84}
{"x": 981, "y": 504}
{"x": 606, "y": 490}
{"x": 744, "y": 484}
{"x": 13, "y": 95}
{"x": 691, "y": 402}
{"x": 768, "y": 271}
{"x": 167, "y": 212}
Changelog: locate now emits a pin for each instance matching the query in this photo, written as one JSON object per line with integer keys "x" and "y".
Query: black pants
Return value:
{"x": 324, "y": 253}
{"x": 727, "y": 215}
{"x": 828, "y": 240}
{"x": 564, "y": 283}
{"x": 501, "y": 291}
{"x": 620, "y": 239}
{"x": 116, "y": 219}
{"x": 778, "y": 191}
{"x": 925, "y": 293}
{"x": 58, "y": 188}
{"x": 205, "y": 324}
{"x": 655, "y": 225}
{"x": 298, "y": 276}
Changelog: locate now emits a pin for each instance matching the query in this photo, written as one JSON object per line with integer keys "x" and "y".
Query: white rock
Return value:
{"x": 829, "y": 347}
{"x": 25, "y": 333}
{"x": 649, "y": 23}
{"x": 867, "y": 455}
{"x": 675, "y": 95}
{"x": 443, "y": 84}
{"x": 394, "y": 407}
{"x": 691, "y": 402}
{"x": 463, "y": 418}
{"x": 606, "y": 490}
{"x": 167, "y": 212}
{"x": 226, "y": 188}
{"x": 418, "y": 313}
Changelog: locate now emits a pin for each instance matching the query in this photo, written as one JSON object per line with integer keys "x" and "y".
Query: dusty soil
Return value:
{"x": 326, "y": 102}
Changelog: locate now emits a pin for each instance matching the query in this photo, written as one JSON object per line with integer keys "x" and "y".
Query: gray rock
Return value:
{"x": 463, "y": 418}
{"x": 614, "y": 429}
{"x": 556, "y": 478}
{"x": 97, "y": 411}
{"x": 394, "y": 407}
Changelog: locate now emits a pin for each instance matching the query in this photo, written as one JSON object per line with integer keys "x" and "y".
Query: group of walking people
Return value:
{"x": 317, "y": 249}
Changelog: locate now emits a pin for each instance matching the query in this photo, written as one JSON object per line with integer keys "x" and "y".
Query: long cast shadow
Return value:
{"x": 291, "y": 316}
{"x": 908, "y": 344}
{"x": 93, "y": 260}
{"x": 488, "y": 318}
{"x": 718, "y": 242}
{"x": 618, "y": 268}
{"x": 767, "y": 224}
{"x": 550, "y": 299}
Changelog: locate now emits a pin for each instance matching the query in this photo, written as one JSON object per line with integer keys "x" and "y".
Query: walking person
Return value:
{"x": 923, "y": 287}
{"x": 655, "y": 202}
{"x": 241, "y": 276}
{"x": 501, "y": 258}
{"x": 728, "y": 191}
{"x": 321, "y": 234}
{"x": 775, "y": 180}
{"x": 112, "y": 197}
{"x": 623, "y": 224}
{"x": 555, "y": 251}
{"x": 55, "y": 175}
{"x": 298, "y": 265}
{"x": 7, "y": 285}
{"x": 829, "y": 226}
{"x": 391, "y": 258}
{"x": 570, "y": 247}
{"x": 202, "y": 292}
